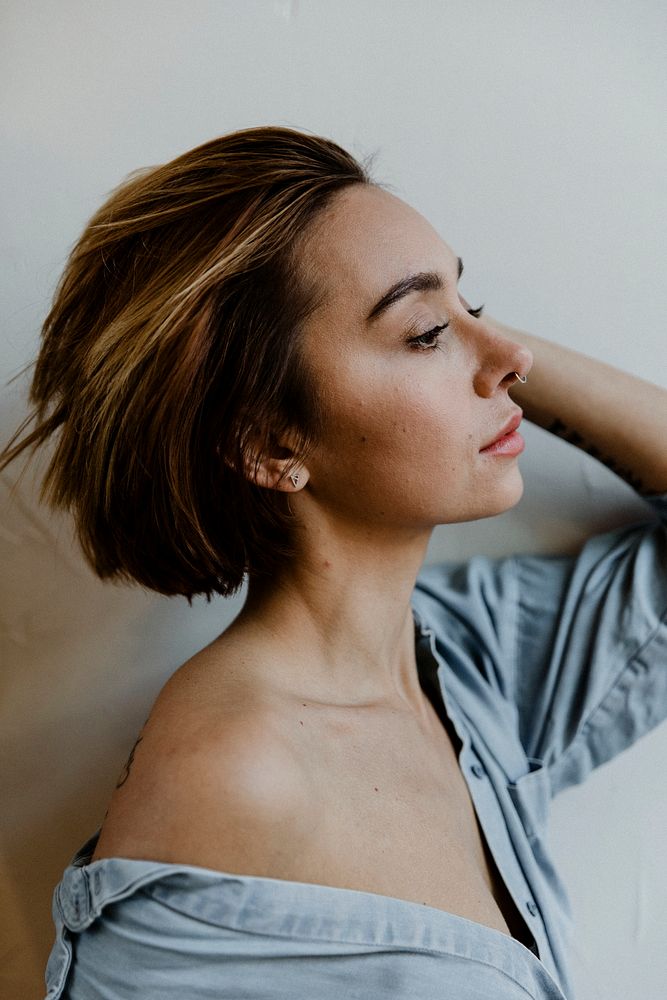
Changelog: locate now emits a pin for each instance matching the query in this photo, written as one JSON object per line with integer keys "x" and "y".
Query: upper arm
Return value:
{"x": 573, "y": 648}
{"x": 230, "y": 797}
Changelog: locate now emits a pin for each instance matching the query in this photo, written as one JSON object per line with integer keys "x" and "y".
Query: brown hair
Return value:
{"x": 172, "y": 342}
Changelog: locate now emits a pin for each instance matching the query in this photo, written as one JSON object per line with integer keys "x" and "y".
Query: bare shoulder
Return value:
{"x": 209, "y": 782}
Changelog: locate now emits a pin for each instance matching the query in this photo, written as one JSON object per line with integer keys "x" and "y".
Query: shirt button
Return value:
{"x": 531, "y": 907}
{"x": 477, "y": 770}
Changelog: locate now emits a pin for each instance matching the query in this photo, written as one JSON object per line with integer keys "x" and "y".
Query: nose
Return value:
{"x": 498, "y": 358}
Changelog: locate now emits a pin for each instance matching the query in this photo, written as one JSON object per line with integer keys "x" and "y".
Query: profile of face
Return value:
{"x": 407, "y": 410}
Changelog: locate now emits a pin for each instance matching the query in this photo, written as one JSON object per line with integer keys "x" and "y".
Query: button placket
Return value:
{"x": 486, "y": 802}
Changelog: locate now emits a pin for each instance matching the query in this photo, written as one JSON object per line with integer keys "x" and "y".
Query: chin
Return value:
{"x": 510, "y": 494}
{"x": 503, "y": 498}
{"x": 492, "y": 499}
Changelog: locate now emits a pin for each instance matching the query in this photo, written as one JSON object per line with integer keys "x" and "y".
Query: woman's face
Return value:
{"x": 405, "y": 421}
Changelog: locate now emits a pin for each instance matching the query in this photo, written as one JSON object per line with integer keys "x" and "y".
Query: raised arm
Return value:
{"x": 616, "y": 417}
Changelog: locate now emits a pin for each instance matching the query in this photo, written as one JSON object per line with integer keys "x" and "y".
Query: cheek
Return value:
{"x": 402, "y": 449}
{"x": 408, "y": 424}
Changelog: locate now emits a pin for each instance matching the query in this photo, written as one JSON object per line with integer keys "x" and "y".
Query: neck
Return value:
{"x": 340, "y": 624}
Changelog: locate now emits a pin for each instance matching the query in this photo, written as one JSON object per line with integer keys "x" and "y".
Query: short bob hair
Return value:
{"x": 172, "y": 344}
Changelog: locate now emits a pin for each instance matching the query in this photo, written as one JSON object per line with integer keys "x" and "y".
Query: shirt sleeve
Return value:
{"x": 576, "y": 643}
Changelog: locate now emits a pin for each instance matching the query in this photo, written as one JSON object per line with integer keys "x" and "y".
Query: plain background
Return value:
{"x": 530, "y": 135}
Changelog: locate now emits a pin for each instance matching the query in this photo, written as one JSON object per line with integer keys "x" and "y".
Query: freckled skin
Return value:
{"x": 399, "y": 453}
{"x": 445, "y": 402}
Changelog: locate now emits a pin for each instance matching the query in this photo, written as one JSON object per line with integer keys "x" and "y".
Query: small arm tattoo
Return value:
{"x": 559, "y": 428}
{"x": 125, "y": 773}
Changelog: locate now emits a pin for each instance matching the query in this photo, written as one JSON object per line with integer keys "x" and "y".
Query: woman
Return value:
{"x": 260, "y": 367}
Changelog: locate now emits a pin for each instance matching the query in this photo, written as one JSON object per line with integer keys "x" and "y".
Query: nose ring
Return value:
{"x": 521, "y": 378}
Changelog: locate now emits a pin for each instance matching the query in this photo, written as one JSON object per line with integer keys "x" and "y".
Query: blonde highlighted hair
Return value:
{"x": 173, "y": 342}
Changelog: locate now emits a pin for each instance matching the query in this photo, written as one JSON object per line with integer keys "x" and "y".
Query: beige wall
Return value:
{"x": 529, "y": 135}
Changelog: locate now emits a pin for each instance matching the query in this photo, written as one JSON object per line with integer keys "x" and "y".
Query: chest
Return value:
{"x": 392, "y": 814}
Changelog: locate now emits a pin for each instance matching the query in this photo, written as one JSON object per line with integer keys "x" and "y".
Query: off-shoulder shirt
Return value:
{"x": 547, "y": 667}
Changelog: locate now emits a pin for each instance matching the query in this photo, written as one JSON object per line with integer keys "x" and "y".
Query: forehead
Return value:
{"x": 367, "y": 240}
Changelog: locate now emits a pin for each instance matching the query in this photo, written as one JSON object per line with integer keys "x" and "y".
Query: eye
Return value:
{"x": 418, "y": 341}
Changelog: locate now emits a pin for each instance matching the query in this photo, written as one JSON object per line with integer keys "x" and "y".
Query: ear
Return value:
{"x": 275, "y": 471}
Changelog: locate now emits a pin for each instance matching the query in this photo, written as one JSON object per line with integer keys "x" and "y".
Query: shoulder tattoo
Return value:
{"x": 125, "y": 773}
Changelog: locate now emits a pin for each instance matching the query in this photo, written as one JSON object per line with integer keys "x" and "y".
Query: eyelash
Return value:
{"x": 436, "y": 330}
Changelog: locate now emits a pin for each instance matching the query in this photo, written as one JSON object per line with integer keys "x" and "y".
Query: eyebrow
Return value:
{"x": 423, "y": 281}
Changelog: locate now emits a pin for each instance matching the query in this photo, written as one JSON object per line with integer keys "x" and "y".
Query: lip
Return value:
{"x": 509, "y": 427}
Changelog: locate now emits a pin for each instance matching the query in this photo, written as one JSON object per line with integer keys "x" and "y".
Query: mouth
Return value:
{"x": 507, "y": 442}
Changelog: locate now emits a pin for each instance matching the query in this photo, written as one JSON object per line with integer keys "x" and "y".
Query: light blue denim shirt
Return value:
{"x": 548, "y": 666}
